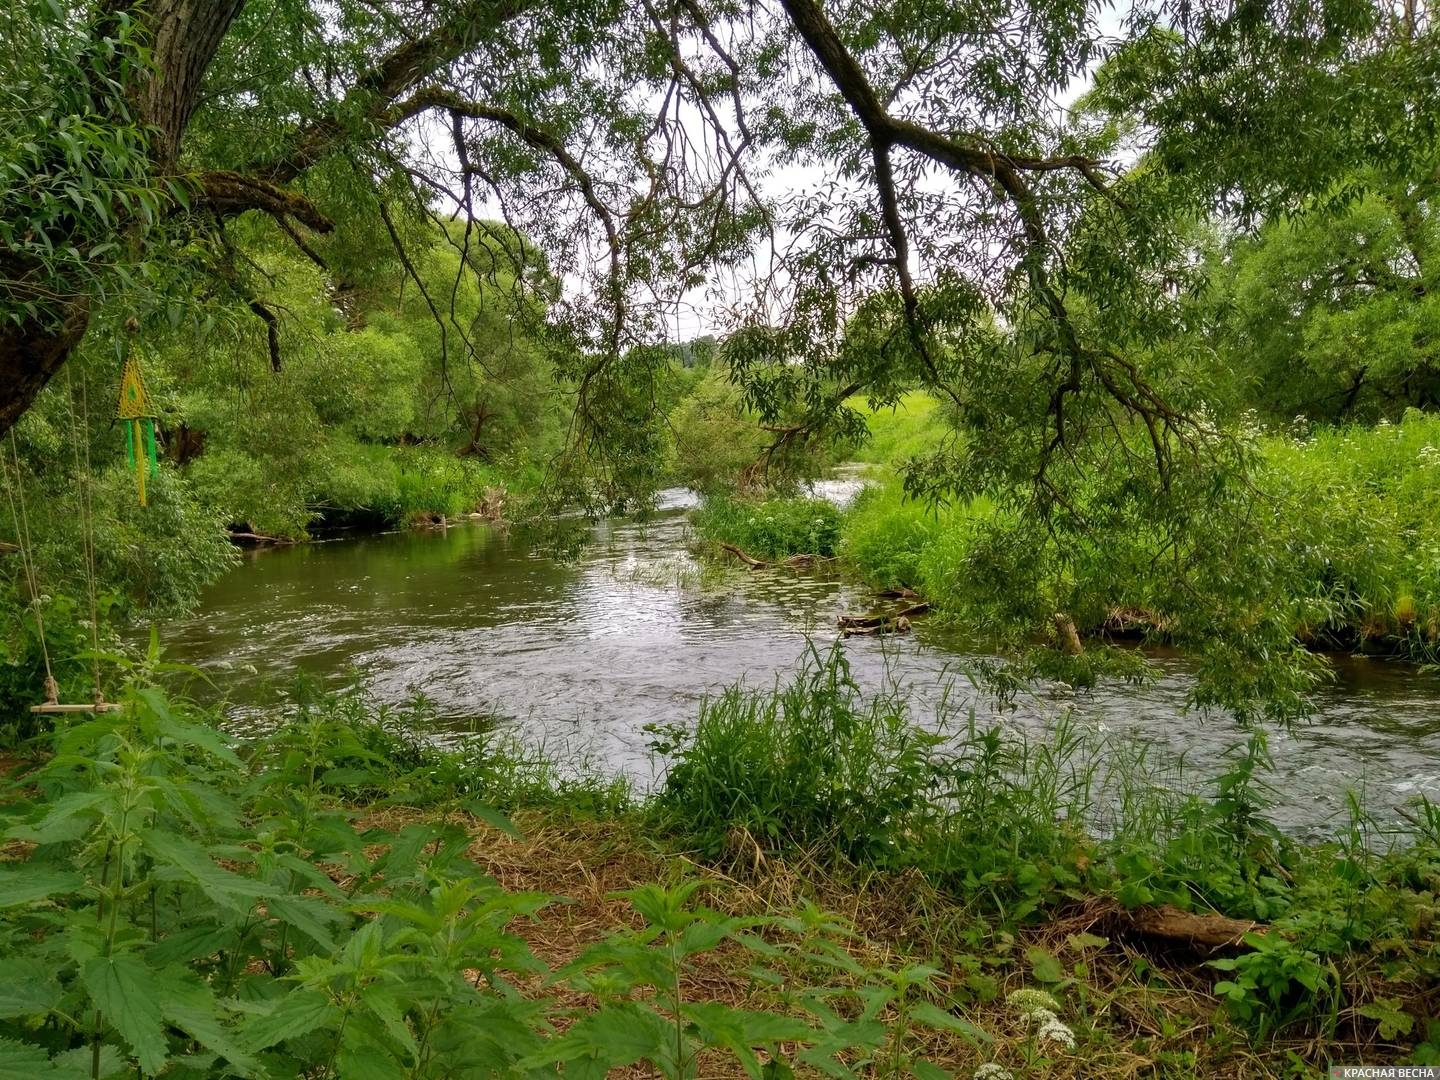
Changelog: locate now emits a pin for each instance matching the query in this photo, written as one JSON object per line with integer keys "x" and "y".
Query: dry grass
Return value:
{"x": 1136, "y": 1013}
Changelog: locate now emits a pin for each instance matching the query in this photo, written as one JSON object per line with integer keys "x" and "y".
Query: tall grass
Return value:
{"x": 902, "y": 431}
{"x": 1019, "y": 828}
{"x": 369, "y": 751}
{"x": 809, "y": 764}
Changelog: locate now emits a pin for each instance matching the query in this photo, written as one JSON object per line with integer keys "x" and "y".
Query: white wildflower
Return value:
{"x": 1052, "y": 1030}
{"x": 993, "y": 1071}
{"x": 1041, "y": 1009}
{"x": 1028, "y": 1001}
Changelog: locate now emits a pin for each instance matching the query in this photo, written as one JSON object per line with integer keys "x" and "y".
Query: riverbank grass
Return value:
{"x": 819, "y": 886}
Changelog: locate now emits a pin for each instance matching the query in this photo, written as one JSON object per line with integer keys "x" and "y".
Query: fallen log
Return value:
{"x": 867, "y": 622}
{"x": 804, "y": 561}
{"x": 1170, "y": 924}
{"x": 900, "y": 625}
{"x": 6, "y": 548}
{"x": 902, "y": 592}
{"x": 749, "y": 560}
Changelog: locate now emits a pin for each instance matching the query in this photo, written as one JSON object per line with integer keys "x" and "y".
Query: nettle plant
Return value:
{"x": 168, "y": 907}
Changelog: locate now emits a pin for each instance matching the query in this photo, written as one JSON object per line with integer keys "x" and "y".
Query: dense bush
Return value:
{"x": 771, "y": 529}
{"x": 68, "y": 641}
{"x": 1331, "y": 540}
{"x": 806, "y": 765}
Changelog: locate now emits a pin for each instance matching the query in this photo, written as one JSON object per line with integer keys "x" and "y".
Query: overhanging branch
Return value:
{"x": 227, "y": 193}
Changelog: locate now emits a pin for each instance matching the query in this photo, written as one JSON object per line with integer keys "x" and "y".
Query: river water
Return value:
{"x": 578, "y": 654}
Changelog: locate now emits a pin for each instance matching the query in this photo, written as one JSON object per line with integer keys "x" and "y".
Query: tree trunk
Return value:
{"x": 31, "y": 353}
{"x": 183, "y": 37}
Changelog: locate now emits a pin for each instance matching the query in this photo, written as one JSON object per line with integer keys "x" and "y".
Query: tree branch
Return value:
{"x": 399, "y": 72}
{"x": 227, "y": 193}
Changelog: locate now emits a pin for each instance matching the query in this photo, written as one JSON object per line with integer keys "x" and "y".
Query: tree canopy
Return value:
{"x": 630, "y": 142}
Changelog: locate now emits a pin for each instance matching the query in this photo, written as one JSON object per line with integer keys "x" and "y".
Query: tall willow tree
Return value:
{"x": 626, "y": 138}
{"x": 133, "y": 132}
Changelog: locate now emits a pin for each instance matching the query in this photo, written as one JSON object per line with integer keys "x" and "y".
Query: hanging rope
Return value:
{"x": 21, "y": 519}
{"x": 87, "y": 516}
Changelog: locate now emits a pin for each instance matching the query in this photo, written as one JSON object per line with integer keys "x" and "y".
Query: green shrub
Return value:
{"x": 1331, "y": 541}
{"x": 772, "y": 529}
{"x": 72, "y": 660}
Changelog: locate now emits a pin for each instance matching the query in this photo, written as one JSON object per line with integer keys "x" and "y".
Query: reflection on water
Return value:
{"x": 581, "y": 654}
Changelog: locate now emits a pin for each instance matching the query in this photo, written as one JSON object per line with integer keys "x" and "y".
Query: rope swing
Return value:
{"x": 20, "y": 518}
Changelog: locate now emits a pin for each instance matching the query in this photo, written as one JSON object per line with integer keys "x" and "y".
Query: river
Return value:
{"x": 579, "y": 654}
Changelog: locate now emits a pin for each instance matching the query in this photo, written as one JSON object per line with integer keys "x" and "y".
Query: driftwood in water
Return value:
{"x": 901, "y": 592}
{"x": 749, "y": 560}
{"x": 895, "y": 622}
{"x": 899, "y": 625}
{"x": 794, "y": 562}
{"x": 258, "y": 538}
{"x": 871, "y": 622}
{"x": 1068, "y": 637}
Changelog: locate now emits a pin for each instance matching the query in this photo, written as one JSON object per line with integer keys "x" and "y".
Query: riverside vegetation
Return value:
{"x": 340, "y": 898}
{"x": 1342, "y": 552}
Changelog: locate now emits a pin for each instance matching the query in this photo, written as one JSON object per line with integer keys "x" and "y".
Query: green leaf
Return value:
{"x": 126, "y": 992}
{"x": 704, "y": 934}
{"x": 189, "y": 1005}
{"x": 198, "y": 736}
{"x": 1392, "y": 1019}
{"x": 24, "y": 883}
{"x": 1045, "y": 967}
{"x": 21, "y": 1061}
{"x": 384, "y": 1004}
{"x": 362, "y": 1058}
{"x": 616, "y": 1036}
{"x": 933, "y": 1016}
{"x": 926, "y": 1071}
{"x": 660, "y": 906}
{"x": 29, "y": 988}
{"x": 1082, "y": 941}
{"x": 67, "y": 819}
{"x": 496, "y": 820}
{"x": 311, "y": 917}
{"x": 740, "y": 1031}
{"x": 297, "y": 1013}
{"x": 225, "y": 888}
{"x": 79, "y": 1063}
{"x": 193, "y": 943}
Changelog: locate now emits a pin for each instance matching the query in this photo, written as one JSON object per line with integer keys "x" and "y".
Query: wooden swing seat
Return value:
{"x": 52, "y": 704}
